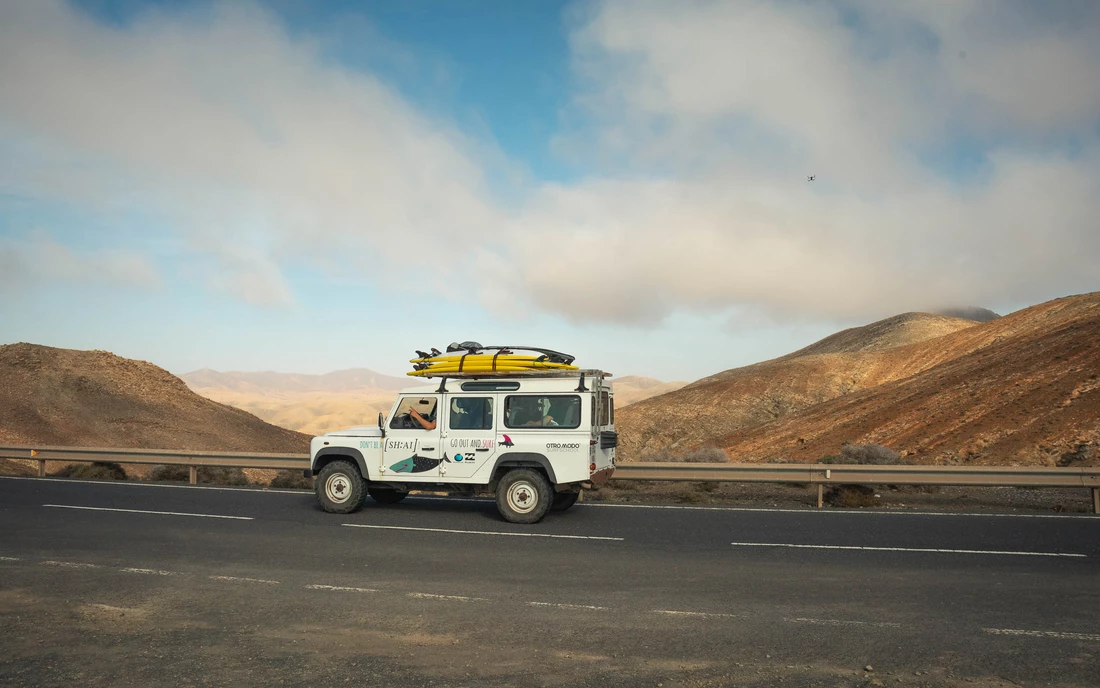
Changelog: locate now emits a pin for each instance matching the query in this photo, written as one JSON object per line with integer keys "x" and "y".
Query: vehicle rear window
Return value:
{"x": 542, "y": 411}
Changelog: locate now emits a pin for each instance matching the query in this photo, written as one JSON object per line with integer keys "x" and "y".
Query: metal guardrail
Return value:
{"x": 814, "y": 474}
{"x": 192, "y": 459}
{"x": 848, "y": 474}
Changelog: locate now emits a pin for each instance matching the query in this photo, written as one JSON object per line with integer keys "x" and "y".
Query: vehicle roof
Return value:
{"x": 560, "y": 381}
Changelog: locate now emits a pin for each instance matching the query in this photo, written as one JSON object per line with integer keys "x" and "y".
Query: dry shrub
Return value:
{"x": 850, "y": 496}
{"x": 865, "y": 454}
{"x": 700, "y": 455}
{"x": 1083, "y": 454}
{"x": 690, "y": 498}
{"x": 97, "y": 470}
{"x": 291, "y": 480}
{"x": 214, "y": 475}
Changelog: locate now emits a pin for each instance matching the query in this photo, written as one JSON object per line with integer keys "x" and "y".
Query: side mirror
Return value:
{"x": 382, "y": 423}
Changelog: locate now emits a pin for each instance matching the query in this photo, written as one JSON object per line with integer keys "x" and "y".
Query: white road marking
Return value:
{"x": 10, "y": 559}
{"x": 834, "y": 512}
{"x": 243, "y": 580}
{"x": 1044, "y": 634}
{"x": 338, "y": 588}
{"x": 71, "y": 564}
{"x": 150, "y": 572}
{"x": 485, "y": 532}
{"x": 144, "y": 511}
{"x": 705, "y": 615}
{"x": 588, "y": 607}
{"x": 908, "y": 549}
{"x": 843, "y": 622}
{"x": 455, "y": 598}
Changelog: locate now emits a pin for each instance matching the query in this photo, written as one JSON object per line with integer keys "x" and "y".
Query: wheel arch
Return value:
{"x": 504, "y": 462}
{"x": 329, "y": 454}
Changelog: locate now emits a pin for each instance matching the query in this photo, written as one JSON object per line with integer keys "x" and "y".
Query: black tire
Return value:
{"x": 340, "y": 487}
{"x": 564, "y": 500}
{"x": 524, "y": 496}
{"x": 386, "y": 495}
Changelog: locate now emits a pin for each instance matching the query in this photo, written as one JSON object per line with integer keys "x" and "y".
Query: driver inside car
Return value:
{"x": 426, "y": 423}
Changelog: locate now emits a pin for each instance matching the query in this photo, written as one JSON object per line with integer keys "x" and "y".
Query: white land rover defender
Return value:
{"x": 534, "y": 438}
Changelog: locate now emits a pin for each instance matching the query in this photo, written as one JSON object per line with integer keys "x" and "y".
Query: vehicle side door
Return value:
{"x": 469, "y": 437}
{"x": 412, "y": 452}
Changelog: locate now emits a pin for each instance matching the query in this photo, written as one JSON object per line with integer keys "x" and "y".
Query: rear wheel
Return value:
{"x": 564, "y": 500}
{"x": 386, "y": 495}
{"x": 340, "y": 487}
{"x": 524, "y": 496}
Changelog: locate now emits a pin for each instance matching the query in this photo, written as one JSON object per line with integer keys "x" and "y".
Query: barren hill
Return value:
{"x": 54, "y": 396}
{"x": 899, "y": 330}
{"x": 705, "y": 411}
{"x": 1022, "y": 389}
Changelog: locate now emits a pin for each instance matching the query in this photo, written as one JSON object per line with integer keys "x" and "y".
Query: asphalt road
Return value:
{"x": 140, "y": 584}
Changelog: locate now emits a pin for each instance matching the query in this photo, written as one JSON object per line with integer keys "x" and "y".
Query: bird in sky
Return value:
{"x": 811, "y": 177}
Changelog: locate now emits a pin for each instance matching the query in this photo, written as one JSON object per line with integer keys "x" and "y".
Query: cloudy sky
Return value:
{"x": 307, "y": 186}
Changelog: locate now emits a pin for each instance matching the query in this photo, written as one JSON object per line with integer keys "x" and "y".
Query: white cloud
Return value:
{"x": 711, "y": 114}
{"x": 42, "y": 260}
{"x": 230, "y": 130}
{"x": 699, "y": 121}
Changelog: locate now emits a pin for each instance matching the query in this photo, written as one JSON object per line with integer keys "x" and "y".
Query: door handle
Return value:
{"x": 482, "y": 449}
{"x": 428, "y": 448}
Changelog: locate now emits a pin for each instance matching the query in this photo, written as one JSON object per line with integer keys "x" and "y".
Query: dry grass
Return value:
{"x": 213, "y": 475}
{"x": 851, "y": 496}
{"x": 98, "y": 470}
{"x": 291, "y": 480}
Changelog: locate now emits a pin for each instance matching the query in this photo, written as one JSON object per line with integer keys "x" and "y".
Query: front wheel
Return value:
{"x": 340, "y": 488}
{"x": 524, "y": 496}
{"x": 564, "y": 500}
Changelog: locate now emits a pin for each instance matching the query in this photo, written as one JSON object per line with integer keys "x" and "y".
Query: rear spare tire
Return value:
{"x": 340, "y": 487}
{"x": 524, "y": 496}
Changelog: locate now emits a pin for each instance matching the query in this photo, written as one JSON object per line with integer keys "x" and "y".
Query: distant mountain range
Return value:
{"x": 1019, "y": 389}
{"x": 319, "y": 403}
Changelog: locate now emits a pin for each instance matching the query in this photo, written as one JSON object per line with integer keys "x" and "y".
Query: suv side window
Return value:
{"x": 542, "y": 411}
{"x": 471, "y": 413}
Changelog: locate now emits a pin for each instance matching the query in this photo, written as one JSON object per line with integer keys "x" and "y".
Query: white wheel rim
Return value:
{"x": 523, "y": 497}
{"x": 338, "y": 488}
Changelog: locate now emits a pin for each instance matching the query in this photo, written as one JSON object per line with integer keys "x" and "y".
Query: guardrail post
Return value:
{"x": 194, "y": 475}
{"x": 820, "y": 495}
{"x": 1096, "y": 500}
{"x": 42, "y": 473}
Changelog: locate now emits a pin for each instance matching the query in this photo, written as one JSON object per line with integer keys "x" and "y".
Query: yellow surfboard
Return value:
{"x": 453, "y": 368}
{"x": 476, "y": 357}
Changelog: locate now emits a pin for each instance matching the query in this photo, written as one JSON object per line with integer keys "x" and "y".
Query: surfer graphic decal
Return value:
{"x": 417, "y": 464}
